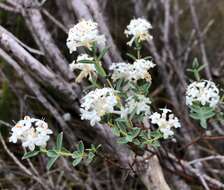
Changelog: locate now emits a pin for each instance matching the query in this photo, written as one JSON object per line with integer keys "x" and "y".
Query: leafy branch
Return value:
{"x": 202, "y": 113}
{"x": 196, "y": 69}
{"x": 80, "y": 154}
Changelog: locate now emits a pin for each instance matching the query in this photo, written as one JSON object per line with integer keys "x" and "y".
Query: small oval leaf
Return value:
{"x": 30, "y": 154}
{"x": 52, "y": 153}
{"x": 51, "y": 162}
{"x": 59, "y": 141}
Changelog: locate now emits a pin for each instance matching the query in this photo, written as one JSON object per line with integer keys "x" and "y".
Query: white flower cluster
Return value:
{"x": 138, "y": 29}
{"x": 165, "y": 121}
{"x": 132, "y": 72}
{"x": 97, "y": 103}
{"x": 85, "y": 33}
{"x": 87, "y": 70}
{"x": 204, "y": 92}
{"x": 31, "y": 132}
{"x": 139, "y": 104}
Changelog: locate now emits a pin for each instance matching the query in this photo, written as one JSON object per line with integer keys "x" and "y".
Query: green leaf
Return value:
{"x": 103, "y": 52}
{"x": 144, "y": 134}
{"x": 94, "y": 149}
{"x": 30, "y": 154}
{"x": 156, "y": 144}
{"x": 86, "y": 61}
{"x": 94, "y": 83}
{"x": 81, "y": 147}
{"x": 134, "y": 132}
{"x": 132, "y": 113}
{"x": 196, "y": 68}
{"x": 52, "y": 153}
{"x": 154, "y": 133}
{"x": 115, "y": 131}
{"x": 202, "y": 113}
{"x": 195, "y": 63}
{"x": 51, "y": 162}
{"x": 65, "y": 150}
{"x": 137, "y": 44}
{"x": 59, "y": 141}
{"x": 122, "y": 140}
{"x": 131, "y": 56}
{"x": 100, "y": 70}
{"x": 129, "y": 138}
{"x": 90, "y": 157}
{"x": 122, "y": 127}
{"x": 120, "y": 120}
{"x": 148, "y": 58}
{"x": 76, "y": 154}
{"x": 145, "y": 89}
{"x": 76, "y": 161}
{"x": 190, "y": 70}
{"x": 203, "y": 123}
{"x": 201, "y": 67}
{"x": 136, "y": 142}
{"x": 94, "y": 48}
{"x": 119, "y": 84}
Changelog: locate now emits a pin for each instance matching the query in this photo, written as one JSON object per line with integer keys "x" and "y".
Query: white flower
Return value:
{"x": 132, "y": 72}
{"x": 97, "y": 103}
{"x": 140, "y": 69}
{"x": 92, "y": 116}
{"x": 139, "y": 104}
{"x": 124, "y": 112}
{"x": 165, "y": 121}
{"x": 120, "y": 71}
{"x": 31, "y": 132}
{"x": 85, "y": 33}
{"x": 87, "y": 70}
{"x": 204, "y": 92}
{"x": 167, "y": 132}
{"x": 29, "y": 139}
{"x": 138, "y": 29}
{"x": 19, "y": 129}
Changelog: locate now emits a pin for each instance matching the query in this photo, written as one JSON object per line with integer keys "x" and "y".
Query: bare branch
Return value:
{"x": 8, "y": 8}
{"x": 200, "y": 38}
{"x": 21, "y": 166}
{"x": 35, "y": 89}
